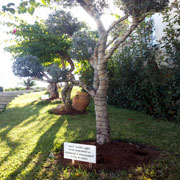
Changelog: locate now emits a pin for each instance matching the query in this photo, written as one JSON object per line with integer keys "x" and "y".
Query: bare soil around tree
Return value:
{"x": 115, "y": 156}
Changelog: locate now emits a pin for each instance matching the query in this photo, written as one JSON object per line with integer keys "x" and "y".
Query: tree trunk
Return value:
{"x": 66, "y": 96}
{"x": 102, "y": 120}
{"x": 27, "y": 87}
{"x": 100, "y": 99}
{"x": 53, "y": 90}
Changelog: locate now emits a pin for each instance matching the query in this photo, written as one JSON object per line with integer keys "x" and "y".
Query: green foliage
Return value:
{"x": 28, "y": 83}
{"x": 83, "y": 44}
{"x": 29, "y": 134}
{"x": 27, "y": 66}
{"x": 171, "y": 40}
{"x": 22, "y": 7}
{"x": 15, "y": 89}
{"x": 9, "y": 8}
{"x": 56, "y": 72}
{"x": 85, "y": 71}
{"x": 141, "y": 7}
{"x": 53, "y": 40}
{"x": 99, "y": 5}
{"x": 62, "y": 23}
{"x": 141, "y": 87}
{"x": 35, "y": 40}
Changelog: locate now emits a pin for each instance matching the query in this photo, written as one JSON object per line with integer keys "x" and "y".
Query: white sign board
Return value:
{"x": 46, "y": 96}
{"x": 80, "y": 152}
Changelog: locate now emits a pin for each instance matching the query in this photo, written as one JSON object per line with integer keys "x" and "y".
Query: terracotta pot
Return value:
{"x": 81, "y": 101}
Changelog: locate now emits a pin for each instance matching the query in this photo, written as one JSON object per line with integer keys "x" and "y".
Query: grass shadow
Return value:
{"x": 14, "y": 116}
{"x": 62, "y": 130}
{"x": 44, "y": 145}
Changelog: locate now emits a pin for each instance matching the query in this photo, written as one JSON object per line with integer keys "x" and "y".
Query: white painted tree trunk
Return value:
{"x": 102, "y": 120}
{"x": 98, "y": 61}
{"x": 100, "y": 99}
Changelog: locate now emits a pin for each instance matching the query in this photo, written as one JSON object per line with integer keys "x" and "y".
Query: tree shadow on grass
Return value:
{"x": 43, "y": 146}
{"x": 45, "y": 142}
{"x": 13, "y": 117}
{"x": 51, "y": 134}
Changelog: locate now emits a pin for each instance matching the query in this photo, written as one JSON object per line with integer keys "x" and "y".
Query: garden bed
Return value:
{"x": 115, "y": 156}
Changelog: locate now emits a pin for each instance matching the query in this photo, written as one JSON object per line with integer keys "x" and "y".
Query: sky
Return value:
{"x": 7, "y": 78}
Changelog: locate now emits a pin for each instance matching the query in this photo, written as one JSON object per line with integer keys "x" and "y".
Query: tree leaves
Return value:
{"x": 22, "y": 9}
{"x": 10, "y": 4}
{"x": 43, "y": 1}
{"x": 46, "y": 2}
{"x": 9, "y": 8}
{"x": 31, "y": 10}
{"x": 25, "y": 6}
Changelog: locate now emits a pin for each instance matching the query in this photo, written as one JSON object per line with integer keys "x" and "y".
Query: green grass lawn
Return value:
{"x": 28, "y": 134}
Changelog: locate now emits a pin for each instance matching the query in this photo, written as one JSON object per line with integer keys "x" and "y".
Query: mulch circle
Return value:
{"x": 114, "y": 156}
{"x": 73, "y": 112}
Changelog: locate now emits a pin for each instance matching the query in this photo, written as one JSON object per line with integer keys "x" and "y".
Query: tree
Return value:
{"x": 61, "y": 23}
{"x": 56, "y": 39}
{"x": 29, "y": 66}
{"x": 49, "y": 44}
{"x": 105, "y": 48}
{"x": 28, "y": 83}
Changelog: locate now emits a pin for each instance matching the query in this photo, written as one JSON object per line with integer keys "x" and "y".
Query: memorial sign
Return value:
{"x": 44, "y": 97}
{"x": 80, "y": 152}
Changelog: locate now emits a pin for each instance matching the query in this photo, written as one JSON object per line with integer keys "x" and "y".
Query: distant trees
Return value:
{"x": 28, "y": 83}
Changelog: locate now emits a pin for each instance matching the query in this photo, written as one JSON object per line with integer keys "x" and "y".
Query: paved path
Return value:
{"x": 7, "y": 97}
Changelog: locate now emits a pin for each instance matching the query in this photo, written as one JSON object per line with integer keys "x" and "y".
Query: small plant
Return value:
{"x": 28, "y": 83}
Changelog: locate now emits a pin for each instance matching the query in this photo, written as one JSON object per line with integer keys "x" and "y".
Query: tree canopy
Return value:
{"x": 29, "y": 66}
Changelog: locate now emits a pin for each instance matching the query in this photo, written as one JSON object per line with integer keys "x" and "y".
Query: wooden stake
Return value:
{"x": 90, "y": 165}
{"x": 73, "y": 162}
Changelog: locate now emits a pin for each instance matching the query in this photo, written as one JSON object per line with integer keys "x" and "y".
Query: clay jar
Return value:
{"x": 81, "y": 101}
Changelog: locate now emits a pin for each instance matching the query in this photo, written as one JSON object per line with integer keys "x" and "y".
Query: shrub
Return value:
{"x": 15, "y": 89}
{"x": 136, "y": 86}
{"x": 133, "y": 88}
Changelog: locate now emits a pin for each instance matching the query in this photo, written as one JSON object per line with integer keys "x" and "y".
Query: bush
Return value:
{"x": 133, "y": 88}
{"x": 15, "y": 89}
{"x": 136, "y": 86}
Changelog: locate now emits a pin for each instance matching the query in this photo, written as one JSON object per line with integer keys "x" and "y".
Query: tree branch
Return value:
{"x": 46, "y": 76}
{"x": 94, "y": 56}
{"x": 93, "y": 12}
{"x": 121, "y": 40}
{"x": 70, "y": 62}
{"x": 85, "y": 87}
{"x": 111, "y": 42}
{"x": 37, "y": 79}
{"x": 117, "y": 22}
